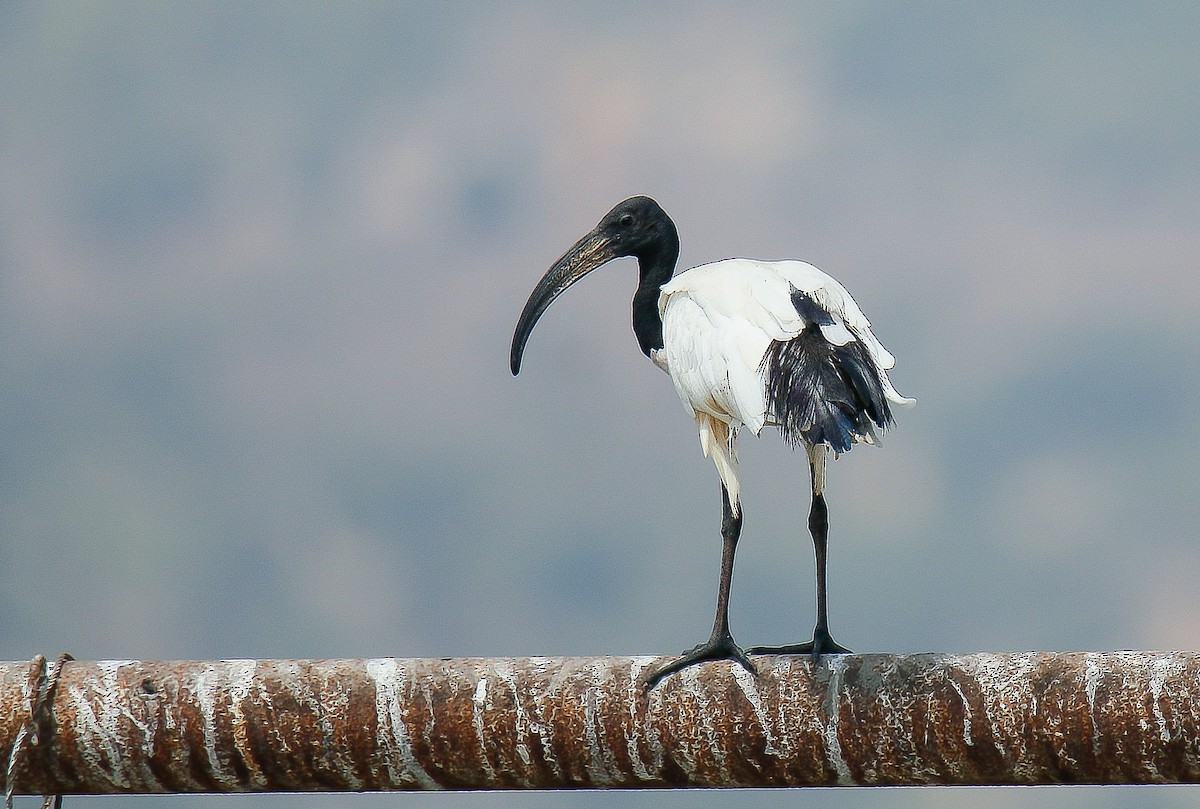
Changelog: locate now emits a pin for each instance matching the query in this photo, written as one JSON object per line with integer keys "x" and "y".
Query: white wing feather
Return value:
{"x": 719, "y": 320}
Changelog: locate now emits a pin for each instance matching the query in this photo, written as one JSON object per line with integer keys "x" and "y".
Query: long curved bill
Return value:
{"x": 588, "y": 253}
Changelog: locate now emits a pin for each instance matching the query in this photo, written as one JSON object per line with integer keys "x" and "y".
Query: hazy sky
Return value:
{"x": 260, "y": 265}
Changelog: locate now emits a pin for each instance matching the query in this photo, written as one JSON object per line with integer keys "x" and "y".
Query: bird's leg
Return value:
{"x": 818, "y": 526}
{"x": 720, "y": 645}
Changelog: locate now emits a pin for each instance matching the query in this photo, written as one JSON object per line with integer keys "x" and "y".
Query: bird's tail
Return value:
{"x": 819, "y": 393}
{"x": 716, "y": 440}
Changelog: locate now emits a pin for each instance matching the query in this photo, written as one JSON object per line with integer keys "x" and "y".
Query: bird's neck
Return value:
{"x": 655, "y": 267}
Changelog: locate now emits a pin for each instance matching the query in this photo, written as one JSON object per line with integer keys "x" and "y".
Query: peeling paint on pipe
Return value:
{"x": 555, "y": 723}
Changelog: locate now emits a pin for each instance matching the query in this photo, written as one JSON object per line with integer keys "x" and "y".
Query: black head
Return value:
{"x": 636, "y": 227}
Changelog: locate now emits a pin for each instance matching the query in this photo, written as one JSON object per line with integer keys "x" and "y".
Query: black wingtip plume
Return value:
{"x": 825, "y": 394}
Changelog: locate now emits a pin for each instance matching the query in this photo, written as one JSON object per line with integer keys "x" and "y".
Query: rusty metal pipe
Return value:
{"x": 551, "y": 723}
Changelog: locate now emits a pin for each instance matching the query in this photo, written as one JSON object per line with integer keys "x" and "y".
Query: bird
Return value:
{"x": 747, "y": 344}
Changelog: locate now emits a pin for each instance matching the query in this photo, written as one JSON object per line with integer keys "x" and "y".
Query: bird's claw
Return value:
{"x": 715, "y": 648}
{"x": 821, "y": 644}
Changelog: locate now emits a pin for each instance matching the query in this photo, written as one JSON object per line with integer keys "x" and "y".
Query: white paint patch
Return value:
{"x": 115, "y": 708}
{"x": 521, "y": 723}
{"x": 714, "y": 741}
{"x": 1004, "y": 681}
{"x": 648, "y": 733}
{"x": 1091, "y": 684}
{"x": 599, "y": 675}
{"x": 102, "y": 731}
{"x": 746, "y": 682}
{"x": 207, "y": 688}
{"x": 478, "y": 705}
{"x": 546, "y": 739}
{"x": 966, "y": 712}
{"x": 833, "y": 745}
{"x": 328, "y": 702}
{"x": 239, "y": 680}
{"x": 403, "y": 767}
{"x": 591, "y": 720}
{"x": 1161, "y": 669}
{"x": 685, "y": 759}
{"x": 430, "y": 728}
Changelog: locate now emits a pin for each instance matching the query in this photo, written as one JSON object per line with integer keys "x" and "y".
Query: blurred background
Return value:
{"x": 260, "y": 265}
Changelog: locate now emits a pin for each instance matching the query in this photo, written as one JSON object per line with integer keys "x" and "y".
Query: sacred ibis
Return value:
{"x": 748, "y": 344}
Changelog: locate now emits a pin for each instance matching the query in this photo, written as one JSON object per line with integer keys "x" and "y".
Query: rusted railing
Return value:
{"x": 548, "y": 723}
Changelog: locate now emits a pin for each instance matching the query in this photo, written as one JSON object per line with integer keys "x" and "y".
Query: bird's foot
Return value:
{"x": 821, "y": 644}
{"x": 718, "y": 647}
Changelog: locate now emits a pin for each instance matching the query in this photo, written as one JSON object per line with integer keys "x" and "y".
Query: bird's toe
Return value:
{"x": 821, "y": 644}
{"x": 715, "y": 648}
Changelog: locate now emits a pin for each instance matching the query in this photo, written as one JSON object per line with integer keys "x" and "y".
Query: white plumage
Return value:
{"x": 719, "y": 319}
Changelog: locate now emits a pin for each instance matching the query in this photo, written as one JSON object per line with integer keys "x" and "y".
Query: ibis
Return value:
{"x": 747, "y": 344}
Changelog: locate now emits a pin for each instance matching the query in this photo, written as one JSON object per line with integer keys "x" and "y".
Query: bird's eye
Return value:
{"x": 626, "y": 220}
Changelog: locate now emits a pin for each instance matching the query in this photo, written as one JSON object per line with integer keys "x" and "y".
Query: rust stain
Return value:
{"x": 546, "y": 723}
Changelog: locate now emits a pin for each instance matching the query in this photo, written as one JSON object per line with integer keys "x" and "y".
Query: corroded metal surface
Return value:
{"x": 545, "y": 723}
